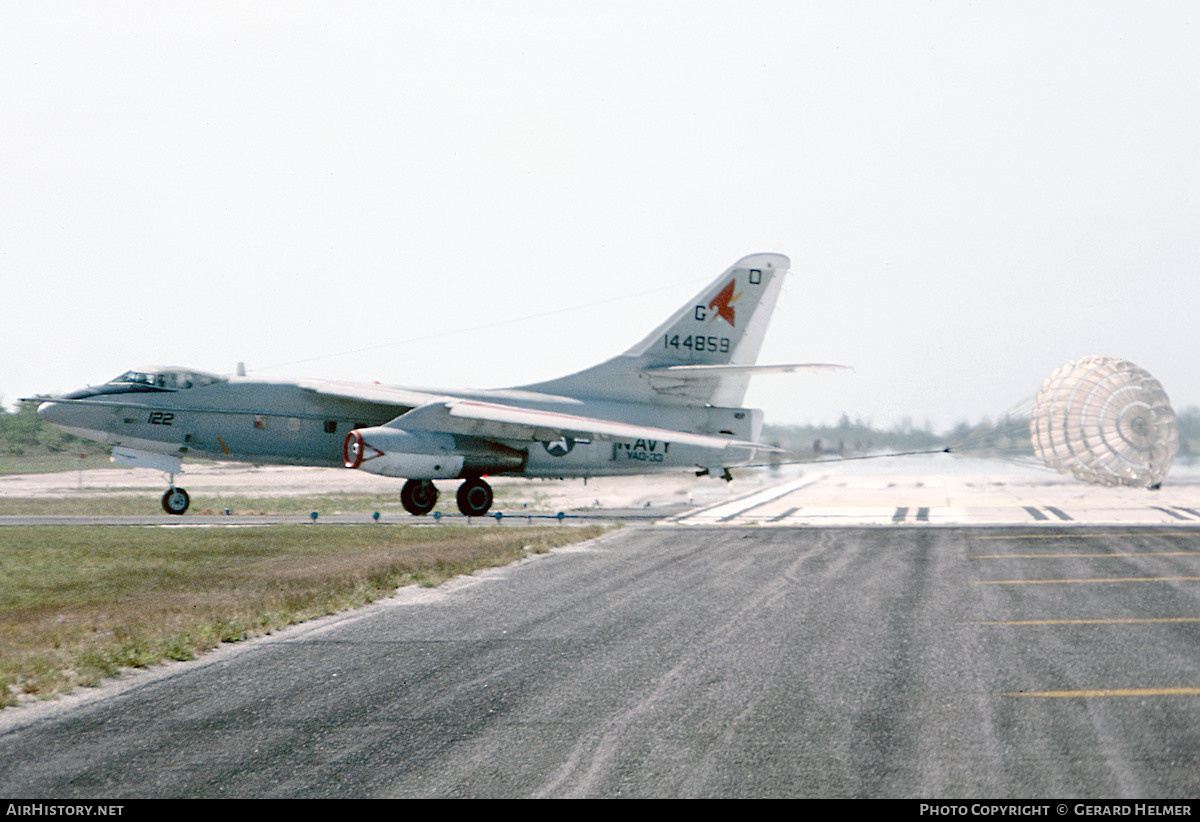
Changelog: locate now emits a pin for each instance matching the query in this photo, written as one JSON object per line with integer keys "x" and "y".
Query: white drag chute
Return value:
{"x": 1105, "y": 421}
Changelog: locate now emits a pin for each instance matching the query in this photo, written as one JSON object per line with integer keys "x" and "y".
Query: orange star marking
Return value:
{"x": 724, "y": 301}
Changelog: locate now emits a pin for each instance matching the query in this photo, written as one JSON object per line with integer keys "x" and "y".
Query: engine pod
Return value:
{"x": 392, "y": 452}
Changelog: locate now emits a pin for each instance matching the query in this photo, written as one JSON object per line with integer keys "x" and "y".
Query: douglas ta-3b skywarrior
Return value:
{"x": 669, "y": 403}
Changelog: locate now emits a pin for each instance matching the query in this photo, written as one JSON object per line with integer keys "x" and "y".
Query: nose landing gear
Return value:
{"x": 175, "y": 501}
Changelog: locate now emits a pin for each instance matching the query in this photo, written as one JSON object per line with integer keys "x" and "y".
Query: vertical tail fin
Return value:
{"x": 723, "y": 325}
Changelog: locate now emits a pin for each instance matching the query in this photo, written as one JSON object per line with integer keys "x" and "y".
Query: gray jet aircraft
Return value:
{"x": 669, "y": 403}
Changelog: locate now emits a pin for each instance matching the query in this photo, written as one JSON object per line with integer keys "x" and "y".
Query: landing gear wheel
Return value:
{"x": 418, "y": 496}
{"x": 474, "y": 497}
{"x": 176, "y": 501}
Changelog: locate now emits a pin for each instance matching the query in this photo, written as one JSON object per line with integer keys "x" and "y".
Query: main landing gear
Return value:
{"x": 419, "y": 496}
{"x": 474, "y": 497}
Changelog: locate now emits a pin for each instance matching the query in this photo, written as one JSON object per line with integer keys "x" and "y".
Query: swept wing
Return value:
{"x": 506, "y": 422}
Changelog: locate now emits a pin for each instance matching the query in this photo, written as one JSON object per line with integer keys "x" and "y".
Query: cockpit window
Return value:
{"x": 135, "y": 378}
{"x": 168, "y": 378}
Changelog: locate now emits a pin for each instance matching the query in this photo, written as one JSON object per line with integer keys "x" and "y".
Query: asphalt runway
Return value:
{"x": 1022, "y": 661}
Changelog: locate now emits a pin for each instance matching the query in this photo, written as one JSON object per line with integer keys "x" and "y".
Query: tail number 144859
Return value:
{"x": 718, "y": 345}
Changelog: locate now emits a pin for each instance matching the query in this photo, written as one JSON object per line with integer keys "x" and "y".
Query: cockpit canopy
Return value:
{"x": 169, "y": 378}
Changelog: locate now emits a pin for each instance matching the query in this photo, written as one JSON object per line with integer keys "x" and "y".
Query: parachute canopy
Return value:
{"x": 1105, "y": 421}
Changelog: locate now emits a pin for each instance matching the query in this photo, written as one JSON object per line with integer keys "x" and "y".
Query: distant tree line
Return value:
{"x": 1006, "y": 437}
{"x": 1189, "y": 433}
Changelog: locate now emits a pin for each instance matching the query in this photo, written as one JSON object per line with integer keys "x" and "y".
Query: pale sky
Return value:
{"x": 484, "y": 194}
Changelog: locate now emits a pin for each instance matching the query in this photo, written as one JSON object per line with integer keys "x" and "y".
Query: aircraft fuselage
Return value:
{"x": 274, "y": 421}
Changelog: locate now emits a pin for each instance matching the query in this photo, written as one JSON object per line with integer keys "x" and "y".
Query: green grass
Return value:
{"x": 145, "y": 503}
{"x": 78, "y": 604}
{"x": 509, "y": 499}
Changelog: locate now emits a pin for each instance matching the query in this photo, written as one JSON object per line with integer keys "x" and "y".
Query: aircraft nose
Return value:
{"x": 50, "y": 411}
{"x": 58, "y": 413}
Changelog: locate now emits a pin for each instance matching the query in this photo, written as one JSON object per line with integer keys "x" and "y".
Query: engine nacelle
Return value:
{"x": 392, "y": 452}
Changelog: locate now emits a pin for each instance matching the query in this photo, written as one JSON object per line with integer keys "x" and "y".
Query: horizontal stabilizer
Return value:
{"x": 718, "y": 370}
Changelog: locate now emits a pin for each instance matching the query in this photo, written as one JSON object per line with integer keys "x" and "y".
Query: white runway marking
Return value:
{"x": 937, "y": 490}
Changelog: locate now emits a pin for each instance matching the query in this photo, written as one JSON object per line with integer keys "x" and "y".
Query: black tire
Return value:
{"x": 176, "y": 501}
{"x": 474, "y": 497}
{"x": 418, "y": 496}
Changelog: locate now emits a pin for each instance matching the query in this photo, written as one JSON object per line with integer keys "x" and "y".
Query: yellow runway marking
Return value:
{"x": 1065, "y": 556}
{"x": 1072, "y": 581}
{"x": 1014, "y": 537}
{"x": 1110, "y": 692}
{"x": 1124, "y": 621}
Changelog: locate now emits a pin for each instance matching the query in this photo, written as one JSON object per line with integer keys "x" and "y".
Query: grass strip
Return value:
{"x": 145, "y": 502}
{"x": 78, "y": 604}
